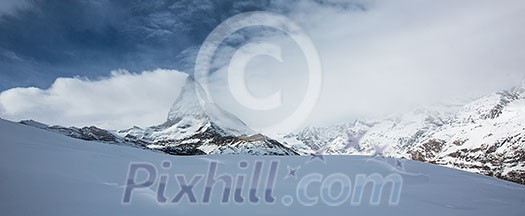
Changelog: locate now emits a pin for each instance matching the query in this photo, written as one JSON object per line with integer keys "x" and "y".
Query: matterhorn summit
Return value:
{"x": 197, "y": 126}
{"x": 193, "y": 111}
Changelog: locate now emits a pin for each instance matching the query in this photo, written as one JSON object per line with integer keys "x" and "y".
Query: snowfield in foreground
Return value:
{"x": 44, "y": 173}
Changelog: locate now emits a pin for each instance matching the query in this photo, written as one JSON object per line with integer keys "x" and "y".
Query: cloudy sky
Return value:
{"x": 121, "y": 63}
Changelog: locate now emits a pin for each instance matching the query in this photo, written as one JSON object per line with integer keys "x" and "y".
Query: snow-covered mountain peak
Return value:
{"x": 195, "y": 125}
{"x": 490, "y": 106}
{"x": 187, "y": 103}
{"x": 193, "y": 111}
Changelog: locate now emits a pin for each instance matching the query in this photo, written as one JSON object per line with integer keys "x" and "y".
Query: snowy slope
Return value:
{"x": 44, "y": 173}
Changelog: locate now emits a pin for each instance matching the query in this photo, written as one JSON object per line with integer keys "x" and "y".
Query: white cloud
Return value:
{"x": 393, "y": 56}
{"x": 402, "y": 54}
{"x": 122, "y": 100}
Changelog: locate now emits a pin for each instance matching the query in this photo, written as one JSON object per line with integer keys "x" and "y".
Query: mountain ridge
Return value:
{"x": 485, "y": 136}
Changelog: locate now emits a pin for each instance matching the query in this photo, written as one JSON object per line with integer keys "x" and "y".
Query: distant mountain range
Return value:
{"x": 485, "y": 136}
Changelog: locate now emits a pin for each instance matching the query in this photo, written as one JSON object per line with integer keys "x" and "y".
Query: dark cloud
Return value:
{"x": 9, "y": 7}
{"x": 41, "y": 40}
{"x": 90, "y": 38}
